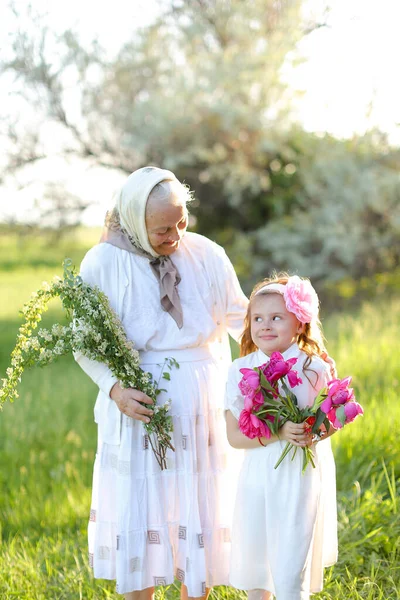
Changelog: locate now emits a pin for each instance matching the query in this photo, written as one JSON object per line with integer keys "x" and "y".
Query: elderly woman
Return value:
{"x": 177, "y": 296}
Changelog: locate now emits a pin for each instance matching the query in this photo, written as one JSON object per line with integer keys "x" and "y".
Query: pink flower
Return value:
{"x": 331, "y": 415}
{"x": 294, "y": 379}
{"x": 250, "y": 379}
{"x": 278, "y": 367}
{"x": 249, "y": 385}
{"x": 326, "y": 405}
{"x": 352, "y": 410}
{"x": 339, "y": 392}
{"x": 336, "y": 384}
{"x": 248, "y": 403}
{"x": 245, "y": 424}
{"x": 301, "y": 299}
{"x": 252, "y": 426}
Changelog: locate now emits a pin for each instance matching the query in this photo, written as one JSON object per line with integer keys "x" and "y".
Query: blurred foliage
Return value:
{"x": 344, "y": 218}
{"x": 200, "y": 91}
{"x": 29, "y": 249}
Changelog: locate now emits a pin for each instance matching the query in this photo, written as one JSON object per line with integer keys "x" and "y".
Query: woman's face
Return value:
{"x": 166, "y": 223}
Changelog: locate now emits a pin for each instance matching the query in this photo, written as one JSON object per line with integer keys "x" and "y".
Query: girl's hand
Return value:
{"x": 295, "y": 433}
{"x": 130, "y": 402}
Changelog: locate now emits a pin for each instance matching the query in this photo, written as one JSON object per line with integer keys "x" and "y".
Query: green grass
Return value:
{"x": 48, "y": 440}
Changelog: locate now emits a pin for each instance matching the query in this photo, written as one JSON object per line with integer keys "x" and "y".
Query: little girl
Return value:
{"x": 284, "y": 530}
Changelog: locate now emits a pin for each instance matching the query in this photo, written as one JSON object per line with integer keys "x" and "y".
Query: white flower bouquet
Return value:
{"x": 94, "y": 330}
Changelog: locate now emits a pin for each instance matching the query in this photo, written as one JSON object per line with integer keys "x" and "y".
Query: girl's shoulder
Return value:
{"x": 245, "y": 362}
{"x": 317, "y": 363}
{"x": 318, "y": 370}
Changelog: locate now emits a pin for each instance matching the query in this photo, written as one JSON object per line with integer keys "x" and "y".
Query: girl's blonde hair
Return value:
{"x": 310, "y": 340}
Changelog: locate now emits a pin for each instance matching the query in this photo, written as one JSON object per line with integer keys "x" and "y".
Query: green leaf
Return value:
{"x": 340, "y": 414}
{"x": 322, "y": 394}
{"x": 166, "y": 376}
{"x": 320, "y": 418}
{"x": 266, "y": 384}
{"x": 269, "y": 401}
{"x": 271, "y": 426}
{"x": 327, "y": 424}
{"x": 286, "y": 389}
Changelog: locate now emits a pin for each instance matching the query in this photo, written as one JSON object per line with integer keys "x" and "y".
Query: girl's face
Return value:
{"x": 166, "y": 223}
{"x": 273, "y": 327}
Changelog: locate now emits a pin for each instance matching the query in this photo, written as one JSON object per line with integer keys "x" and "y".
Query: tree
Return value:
{"x": 198, "y": 91}
{"x": 346, "y": 221}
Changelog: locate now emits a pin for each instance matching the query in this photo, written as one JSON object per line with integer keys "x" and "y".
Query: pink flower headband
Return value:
{"x": 300, "y": 297}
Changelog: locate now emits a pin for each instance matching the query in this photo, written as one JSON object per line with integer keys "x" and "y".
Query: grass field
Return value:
{"x": 48, "y": 439}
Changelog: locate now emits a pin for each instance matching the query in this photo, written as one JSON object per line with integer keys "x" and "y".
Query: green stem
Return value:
{"x": 286, "y": 451}
{"x": 308, "y": 458}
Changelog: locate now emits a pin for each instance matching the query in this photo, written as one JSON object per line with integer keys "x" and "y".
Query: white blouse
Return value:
{"x": 212, "y": 301}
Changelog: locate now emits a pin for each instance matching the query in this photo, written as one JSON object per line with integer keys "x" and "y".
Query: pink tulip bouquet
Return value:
{"x": 269, "y": 402}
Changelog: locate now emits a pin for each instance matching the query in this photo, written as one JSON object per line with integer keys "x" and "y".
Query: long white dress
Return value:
{"x": 285, "y": 527}
{"x": 149, "y": 526}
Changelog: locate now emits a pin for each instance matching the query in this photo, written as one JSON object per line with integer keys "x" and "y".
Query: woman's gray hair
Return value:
{"x": 167, "y": 189}
{"x": 160, "y": 192}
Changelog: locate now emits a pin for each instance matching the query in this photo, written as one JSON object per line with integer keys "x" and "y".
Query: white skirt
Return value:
{"x": 149, "y": 526}
{"x": 285, "y": 524}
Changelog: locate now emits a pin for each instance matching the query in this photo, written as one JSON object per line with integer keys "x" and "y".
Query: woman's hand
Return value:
{"x": 130, "y": 402}
{"x": 295, "y": 433}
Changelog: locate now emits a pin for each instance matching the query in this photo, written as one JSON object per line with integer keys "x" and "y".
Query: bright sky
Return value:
{"x": 349, "y": 80}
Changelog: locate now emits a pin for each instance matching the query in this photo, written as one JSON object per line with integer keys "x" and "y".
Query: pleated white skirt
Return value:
{"x": 149, "y": 526}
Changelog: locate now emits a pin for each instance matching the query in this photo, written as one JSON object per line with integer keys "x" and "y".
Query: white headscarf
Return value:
{"x": 131, "y": 200}
{"x": 129, "y": 233}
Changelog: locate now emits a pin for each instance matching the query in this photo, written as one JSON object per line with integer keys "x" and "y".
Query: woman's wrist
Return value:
{"x": 115, "y": 391}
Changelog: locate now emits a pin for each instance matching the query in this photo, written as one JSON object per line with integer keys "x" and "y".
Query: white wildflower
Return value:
{"x": 103, "y": 346}
{"x": 94, "y": 328}
{"x": 45, "y": 334}
{"x": 59, "y": 348}
{"x": 34, "y": 343}
{"x": 57, "y": 330}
